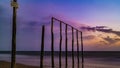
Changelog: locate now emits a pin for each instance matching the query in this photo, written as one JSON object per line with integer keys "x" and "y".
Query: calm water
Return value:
{"x": 89, "y": 62}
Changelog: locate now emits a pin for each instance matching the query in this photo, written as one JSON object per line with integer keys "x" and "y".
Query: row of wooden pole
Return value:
{"x": 66, "y": 45}
{"x": 13, "y": 55}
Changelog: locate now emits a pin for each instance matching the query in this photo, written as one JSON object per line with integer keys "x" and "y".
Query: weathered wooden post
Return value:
{"x": 13, "y": 57}
{"x": 60, "y": 45}
{"x": 66, "y": 46}
{"x": 82, "y": 53}
{"x": 42, "y": 47}
{"x": 72, "y": 47}
{"x": 77, "y": 38}
{"x": 52, "y": 42}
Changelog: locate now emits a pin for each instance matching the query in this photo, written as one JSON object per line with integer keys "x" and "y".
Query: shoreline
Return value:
{"x": 115, "y": 54}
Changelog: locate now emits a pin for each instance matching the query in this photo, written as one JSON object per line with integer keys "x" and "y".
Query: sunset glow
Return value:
{"x": 99, "y": 20}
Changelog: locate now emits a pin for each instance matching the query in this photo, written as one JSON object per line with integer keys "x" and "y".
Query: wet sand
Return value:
{"x": 4, "y": 64}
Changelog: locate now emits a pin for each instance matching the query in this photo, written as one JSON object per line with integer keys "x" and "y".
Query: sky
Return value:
{"x": 99, "y": 20}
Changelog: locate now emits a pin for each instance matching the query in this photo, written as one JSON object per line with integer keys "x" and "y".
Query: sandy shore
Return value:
{"x": 4, "y": 64}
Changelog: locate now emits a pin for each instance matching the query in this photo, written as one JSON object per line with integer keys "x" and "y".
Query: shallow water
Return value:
{"x": 89, "y": 62}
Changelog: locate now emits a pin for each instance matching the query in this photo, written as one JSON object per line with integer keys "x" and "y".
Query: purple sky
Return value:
{"x": 98, "y": 19}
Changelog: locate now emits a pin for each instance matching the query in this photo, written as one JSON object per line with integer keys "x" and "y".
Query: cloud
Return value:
{"x": 104, "y": 42}
{"x": 101, "y": 29}
{"x": 89, "y": 37}
{"x": 110, "y": 41}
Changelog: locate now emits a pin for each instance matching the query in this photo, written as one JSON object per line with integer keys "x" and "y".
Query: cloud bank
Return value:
{"x": 104, "y": 29}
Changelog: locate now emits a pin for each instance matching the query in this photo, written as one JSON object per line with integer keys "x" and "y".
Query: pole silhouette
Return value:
{"x": 13, "y": 57}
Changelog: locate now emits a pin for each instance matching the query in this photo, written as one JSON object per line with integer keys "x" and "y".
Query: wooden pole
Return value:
{"x": 13, "y": 57}
{"x": 82, "y": 50}
{"x": 60, "y": 45}
{"x": 42, "y": 47}
{"x": 77, "y": 36}
{"x": 72, "y": 47}
{"x": 66, "y": 47}
{"x": 52, "y": 43}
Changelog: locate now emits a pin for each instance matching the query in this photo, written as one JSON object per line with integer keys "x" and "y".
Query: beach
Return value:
{"x": 27, "y": 61}
{"x": 4, "y": 64}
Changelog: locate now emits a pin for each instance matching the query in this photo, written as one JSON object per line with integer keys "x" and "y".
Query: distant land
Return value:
{"x": 96, "y": 54}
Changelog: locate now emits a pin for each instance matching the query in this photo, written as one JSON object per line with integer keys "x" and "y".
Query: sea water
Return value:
{"x": 101, "y": 62}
